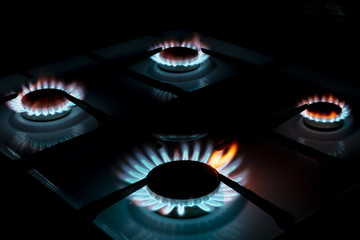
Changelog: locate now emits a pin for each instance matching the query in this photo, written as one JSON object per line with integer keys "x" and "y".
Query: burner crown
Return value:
{"x": 183, "y": 180}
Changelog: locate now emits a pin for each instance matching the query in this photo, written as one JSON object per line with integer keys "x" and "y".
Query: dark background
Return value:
{"x": 320, "y": 35}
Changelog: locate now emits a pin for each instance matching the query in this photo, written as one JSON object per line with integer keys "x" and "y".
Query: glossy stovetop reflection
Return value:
{"x": 266, "y": 176}
{"x": 102, "y": 160}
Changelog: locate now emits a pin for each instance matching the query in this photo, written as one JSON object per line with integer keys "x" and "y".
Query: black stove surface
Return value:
{"x": 273, "y": 57}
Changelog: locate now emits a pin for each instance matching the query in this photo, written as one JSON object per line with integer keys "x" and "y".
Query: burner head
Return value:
{"x": 182, "y": 180}
{"x": 325, "y": 111}
{"x": 179, "y": 54}
{"x": 44, "y": 100}
{"x": 179, "y": 59}
{"x": 183, "y": 183}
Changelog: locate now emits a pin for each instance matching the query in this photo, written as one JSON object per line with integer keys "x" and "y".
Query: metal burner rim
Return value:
{"x": 323, "y": 125}
{"x": 187, "y": 170}
{"x": 178, "y": 68}
{"x": 44, "y": 118}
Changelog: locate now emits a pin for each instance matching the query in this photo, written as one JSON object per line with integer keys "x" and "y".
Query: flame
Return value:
{"x": 43, "y": 83}
{"x": 194, "y": 43}
{"x": 333, "y": 116}
{"x": 142, "y": 161}
{"x": 221, "y": 158}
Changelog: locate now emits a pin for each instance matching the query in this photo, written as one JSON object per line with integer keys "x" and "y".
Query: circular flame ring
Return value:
{"x": 139, "y": 165}
{"x": 192, "y": 44}
{"x": 345, "y": 111}
{"x": 73, "y": 89}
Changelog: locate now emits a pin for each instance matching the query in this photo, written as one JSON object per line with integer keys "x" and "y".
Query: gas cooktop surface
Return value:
{"x": 176, "y": 134}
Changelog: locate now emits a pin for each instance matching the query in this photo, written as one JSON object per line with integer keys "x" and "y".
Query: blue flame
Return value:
{"x": 73, "y": 89}
{"x": 142, "y": 161}
{"x": 193, "y": 43}
{"x": 345, "y": 110}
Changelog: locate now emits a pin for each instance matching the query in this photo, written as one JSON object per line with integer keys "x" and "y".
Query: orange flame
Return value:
{"x": 331, "y": 115}
{"x": 221, "y": 158}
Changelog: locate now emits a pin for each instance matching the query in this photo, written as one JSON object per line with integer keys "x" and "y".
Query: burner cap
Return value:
{"x": 44, "y": 100}
{"x": 183, "y": 180}
{"x": 323, "y": 114}
{"x": 325, "y": 109}
{"x": 178, "y": 53}
{"x": 179, "y": 59}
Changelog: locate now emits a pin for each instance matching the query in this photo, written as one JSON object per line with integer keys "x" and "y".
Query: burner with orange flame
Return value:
{"x": 142, "y": 161}
{"x": 44, "y": 100}
{"x": 179, "y": 56}
{"x": 327, "y": 112}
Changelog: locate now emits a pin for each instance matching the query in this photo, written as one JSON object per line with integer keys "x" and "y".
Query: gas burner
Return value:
{"x": 180, "y": 56}
{"x": 190, "y": 189}
{"x": 187, "y": 183}
{"x": 325, "y": 113}
{"x": 44, "y": 100}
{"x": 48, "y": 99}
{"x": 179, "y": 59}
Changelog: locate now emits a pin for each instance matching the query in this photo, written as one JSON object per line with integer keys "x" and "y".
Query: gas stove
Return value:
{"x": 177, "y": 134}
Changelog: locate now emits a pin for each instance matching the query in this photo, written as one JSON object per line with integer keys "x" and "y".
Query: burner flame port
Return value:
{"x": 325, "y": 113}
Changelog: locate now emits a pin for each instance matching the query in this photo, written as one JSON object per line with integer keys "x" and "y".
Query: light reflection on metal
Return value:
{"x": 73, "y": 89}
{"x": 35, "y": 142}
{"x": 188, "y": 86}
{"x": 162, "y": 96}
{"x": 142, "y": 161}
{"x": 332, "y": 148}
{"x": 339, "y": 150}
